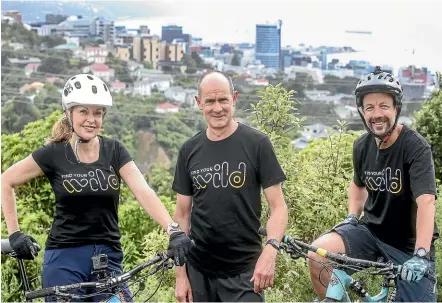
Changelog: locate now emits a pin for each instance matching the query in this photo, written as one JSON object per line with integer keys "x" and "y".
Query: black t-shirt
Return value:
{"x": 224, "y": 179}
{"x": 402, "y": 172}
{"x": 86, "y": 194}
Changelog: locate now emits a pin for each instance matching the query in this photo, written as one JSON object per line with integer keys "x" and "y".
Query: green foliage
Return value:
{"x": 15, "y": 115}
{"x": 18, "y": 33}
{"x": 56, "y": 62}
{"x": 315, "y": 190}
{"x": 120, "y": 68}
{"x": 185, "y": 81}
{"x": 172, "y": 133}
{"x": 275, "y": 115}
{"x": 35, "y": 203}
{"x": 336, "y": 85}
{"x": 429, "y": 124}
{"x": 236, "y": 60}
{"x": 160, "y": 180}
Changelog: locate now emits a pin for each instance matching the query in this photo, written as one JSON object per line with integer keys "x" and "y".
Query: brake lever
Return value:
{"x": 294, "y": 251}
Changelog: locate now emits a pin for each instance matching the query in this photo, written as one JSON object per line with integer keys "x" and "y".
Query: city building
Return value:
{"x": 105, "y": 29}
{"x": 268, "y": 44}
{"x": 31, "y": 68}
{"x": 149, "y": 49}
{"x": 124, "y": 52}
{"x": 15, "y": 15}
{"x": 172, "y": 32}
{"x": 55, "y": 18}
{"x": 100, "y": 70}
{"x": 175, "y": 51}
{"x": 166, "y": 107}
{"x": 413, "y": 81}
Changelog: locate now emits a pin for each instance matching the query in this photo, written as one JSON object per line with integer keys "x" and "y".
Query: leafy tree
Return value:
{"x": 120, "y": 67}
{"x": 185, "y": 81}
{"x": 18, "y": 33}
{"x": 236, "y": 60}
{"x": 171, "y": 134}
{"x": 148, "y": 65}
{"x": 428, "y": 124}
{"x": 52, "y": 41}
{"x": 48, "y": 100}
{"x": 15, "y": 115}
{"x": 56, "y": 63}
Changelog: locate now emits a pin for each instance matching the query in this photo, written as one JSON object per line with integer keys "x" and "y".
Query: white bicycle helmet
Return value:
{"x": 85, "y": 89}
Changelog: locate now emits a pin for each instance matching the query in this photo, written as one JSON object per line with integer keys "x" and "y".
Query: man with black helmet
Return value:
{"x": 394, "y": 186}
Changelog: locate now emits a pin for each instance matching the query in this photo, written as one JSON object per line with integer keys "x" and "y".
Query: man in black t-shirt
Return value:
{"x": 218, "y": 180}
{"x": 394, "y": 185}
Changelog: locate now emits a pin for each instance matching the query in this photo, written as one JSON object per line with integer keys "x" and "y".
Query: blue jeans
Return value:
{"x": 74, "y": 265}
{"x": 362, "y": 244}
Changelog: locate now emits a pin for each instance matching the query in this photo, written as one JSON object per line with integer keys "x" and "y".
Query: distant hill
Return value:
{"x": 35, "y": 11}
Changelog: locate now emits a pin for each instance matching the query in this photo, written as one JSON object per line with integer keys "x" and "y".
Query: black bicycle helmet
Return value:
{"x": 379, "y": 82}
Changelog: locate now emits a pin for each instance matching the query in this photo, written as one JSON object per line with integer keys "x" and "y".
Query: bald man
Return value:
{"x": 218, "y": 180}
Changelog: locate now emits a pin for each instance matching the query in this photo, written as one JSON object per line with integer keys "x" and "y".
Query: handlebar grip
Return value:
{"x": 44, "y": 292}
{"x": 6, "y": 246}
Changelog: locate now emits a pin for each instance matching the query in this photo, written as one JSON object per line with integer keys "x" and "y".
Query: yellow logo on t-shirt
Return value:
{"x": 384, "y": 180}
{"x": 94, "y": 179}
{"x": 218, "y": 176}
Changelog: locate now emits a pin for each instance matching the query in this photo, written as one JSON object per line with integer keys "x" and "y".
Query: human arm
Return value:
{"x": 179, "y": 242}
{"x": 425, "y": 220}
{"x": 357, "y": 195}
{"x": 19, "y": 173}
{"x": 145, "y": 195}
{"x": 415, "y": 268}
{"x": 264, "y": 273}
{"x": 423, "y": 188}
{"x": 183, "y": 290}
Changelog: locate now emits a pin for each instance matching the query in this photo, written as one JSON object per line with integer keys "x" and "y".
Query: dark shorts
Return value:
{"x": 362, "y": 244}
{"x": 74, "y": 264}
{"x": 233, "y": 289}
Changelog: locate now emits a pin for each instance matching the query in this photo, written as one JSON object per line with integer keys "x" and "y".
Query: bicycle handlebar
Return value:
{"x": 329, "y": 255}
{"x": 109, "y": 283}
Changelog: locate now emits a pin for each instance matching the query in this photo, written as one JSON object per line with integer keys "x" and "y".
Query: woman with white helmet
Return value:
{"x": 84, "y": 170}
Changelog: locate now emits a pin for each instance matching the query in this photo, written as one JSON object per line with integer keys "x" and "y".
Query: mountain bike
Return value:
{"x": 107, "y": 284}
{"x": 340, "y": 281}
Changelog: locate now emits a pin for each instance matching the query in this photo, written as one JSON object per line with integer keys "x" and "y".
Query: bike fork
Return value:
{"x": 23, "y": 277}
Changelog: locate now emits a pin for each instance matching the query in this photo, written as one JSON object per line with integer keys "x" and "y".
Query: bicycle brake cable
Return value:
{"x": 162, "y": 265}
{"x": 161, "y": 281}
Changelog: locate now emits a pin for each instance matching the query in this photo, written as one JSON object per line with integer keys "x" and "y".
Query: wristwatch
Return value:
{"x": 274, "y": 243}
{"x": 173, "y": 227}
{"x": 421, "y": 253}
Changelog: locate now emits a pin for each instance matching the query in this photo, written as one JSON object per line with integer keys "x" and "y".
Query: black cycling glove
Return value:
{"x": 23, "y": 245}
{"x": 179, "y": 243}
